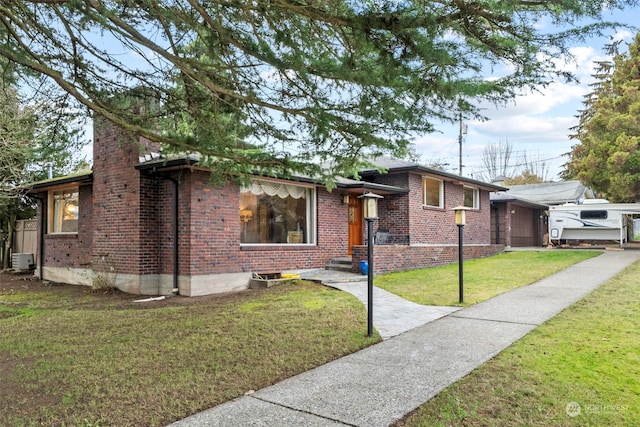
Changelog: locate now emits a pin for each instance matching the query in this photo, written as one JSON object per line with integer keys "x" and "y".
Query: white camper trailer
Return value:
{"x": 591, "y": 221}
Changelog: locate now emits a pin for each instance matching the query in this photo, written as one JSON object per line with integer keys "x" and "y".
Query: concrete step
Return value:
{"x": 339, "y": 264}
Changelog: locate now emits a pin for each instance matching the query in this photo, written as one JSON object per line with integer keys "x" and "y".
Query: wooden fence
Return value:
{"x": 25, "y": 237}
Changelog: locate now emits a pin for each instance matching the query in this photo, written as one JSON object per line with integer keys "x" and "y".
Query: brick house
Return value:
{"x": 158, "y": 226}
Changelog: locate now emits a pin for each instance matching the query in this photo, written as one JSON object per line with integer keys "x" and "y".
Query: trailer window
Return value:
{"x": 593, "y": 215}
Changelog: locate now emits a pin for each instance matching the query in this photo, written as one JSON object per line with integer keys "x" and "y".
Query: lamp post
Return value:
{"x": 370, "y": 209}
{"x": 460, "y": 221}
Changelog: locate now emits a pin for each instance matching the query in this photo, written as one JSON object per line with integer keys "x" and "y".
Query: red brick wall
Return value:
{"x": 164, "y": 230}
{"x": 406, "y": 214}
{"x": 210, "y": 233}
{"x": 209, "y": 226}
{"x": 210, "y": 229}
{"x": 427, "y": 226}
{"x": 437, "y": 226}
{"x": 124, "y": 202}
{"x": 149, "y": 238}
{"x": 71, "y": 250}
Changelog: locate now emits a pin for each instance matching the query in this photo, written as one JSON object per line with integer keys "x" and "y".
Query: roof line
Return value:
{"x": 79, "y": 178}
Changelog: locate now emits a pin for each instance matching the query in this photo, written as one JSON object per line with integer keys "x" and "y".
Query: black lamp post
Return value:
{"x": 460, "y": 221}
{"x": 370, "y": 209}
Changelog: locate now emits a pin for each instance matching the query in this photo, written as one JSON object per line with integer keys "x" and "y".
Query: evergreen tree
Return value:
{"x": 33, "y": 133}
{"x": 308, "y": 81}
{"x": 607, "y": 157}
{"x": 16, "y": 141}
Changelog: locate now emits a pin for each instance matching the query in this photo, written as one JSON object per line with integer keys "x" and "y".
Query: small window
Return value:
{"x": 593, "y": 215}
{"x": 63, "y": 211}
{"x": 432, "y": 192}
{"x": 471, "y": 198}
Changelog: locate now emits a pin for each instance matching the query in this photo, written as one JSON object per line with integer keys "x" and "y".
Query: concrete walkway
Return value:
{"x": 382, "y": 383}
{"x": 392, "y": 315}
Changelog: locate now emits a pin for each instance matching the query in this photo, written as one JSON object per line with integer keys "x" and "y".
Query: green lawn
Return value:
{"x": 585, "y": 362}
{"x": 76, "y": 358}
{"x": 73, "y": 358}
{"x": 483, "y": 278}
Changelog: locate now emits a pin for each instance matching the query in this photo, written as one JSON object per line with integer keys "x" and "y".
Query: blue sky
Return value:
{"x": 536, "y": 123}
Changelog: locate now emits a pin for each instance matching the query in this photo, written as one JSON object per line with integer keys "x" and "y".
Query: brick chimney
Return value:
{"x": 125, "y": 238}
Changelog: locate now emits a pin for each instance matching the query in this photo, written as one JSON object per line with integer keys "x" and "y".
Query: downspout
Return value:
{"x": 176, "y": 289}
{"x": 541, "y": 228}
{"x": 176, "y": 185}
{"x": 496, "y": 211}
{"x": 43, "y": 227}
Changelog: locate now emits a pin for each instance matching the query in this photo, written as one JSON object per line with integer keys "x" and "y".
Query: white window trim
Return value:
{"x": 312, "y": 215}
{"x": 440, "y": 189}
{"x": 51, "y": 208}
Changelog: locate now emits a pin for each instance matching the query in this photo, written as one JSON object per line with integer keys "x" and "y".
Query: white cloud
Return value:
{"x": 623, "y": 34}
{"x": 526, "y": 128}
{"x": 536, "y": 122}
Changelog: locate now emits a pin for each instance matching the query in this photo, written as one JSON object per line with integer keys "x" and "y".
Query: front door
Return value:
{"x": 355, "y": 222}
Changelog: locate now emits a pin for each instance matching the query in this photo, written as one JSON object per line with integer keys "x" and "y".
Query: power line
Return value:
{"x": 517, "y": 165}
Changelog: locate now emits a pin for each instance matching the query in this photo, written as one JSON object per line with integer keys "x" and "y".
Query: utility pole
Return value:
{"x": 463, "y": 131}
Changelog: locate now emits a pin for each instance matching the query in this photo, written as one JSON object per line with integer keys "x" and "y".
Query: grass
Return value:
{"x": 483, "y": 278}
{"x": 99, "y": 359}
{"x": 580, "y": 368}
{"x": 73, "y": 357}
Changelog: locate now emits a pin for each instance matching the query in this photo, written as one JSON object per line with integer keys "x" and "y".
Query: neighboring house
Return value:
{"x": 158, "y": 226}
{"x": 553, "y": 193}
{"x": 520, "y": 216}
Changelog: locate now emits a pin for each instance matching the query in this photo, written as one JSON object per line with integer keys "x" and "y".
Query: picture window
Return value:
{"x": 277, "y": 213}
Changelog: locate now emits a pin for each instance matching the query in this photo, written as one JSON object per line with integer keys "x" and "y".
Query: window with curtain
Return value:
{"x": 432, "y": 192}
{"x": 277, "y": 213}
{"x": 63, "y": 208}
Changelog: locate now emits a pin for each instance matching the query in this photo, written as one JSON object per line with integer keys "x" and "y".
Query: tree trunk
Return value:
{"x": 2, "y": 244}
{"x": 9, "y": 243}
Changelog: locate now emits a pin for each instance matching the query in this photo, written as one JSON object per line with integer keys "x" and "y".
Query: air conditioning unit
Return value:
{"x": 22, "y": 262}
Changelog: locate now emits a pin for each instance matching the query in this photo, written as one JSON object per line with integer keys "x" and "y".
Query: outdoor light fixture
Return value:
{"x": 460, "y": 219}
{"x": 370, "y": 209}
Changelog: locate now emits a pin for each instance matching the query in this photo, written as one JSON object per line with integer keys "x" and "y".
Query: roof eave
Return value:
{"x": 41, "y": 186}
{"x": 449, "y": 176}
{"x": 166, "y": 164}
{"x": 379, "y": 188}
{"x": 521, "y": 202}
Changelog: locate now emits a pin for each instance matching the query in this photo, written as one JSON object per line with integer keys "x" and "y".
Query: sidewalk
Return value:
{"x": 393, "y": 315}
{"x": 382, "y": 383}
